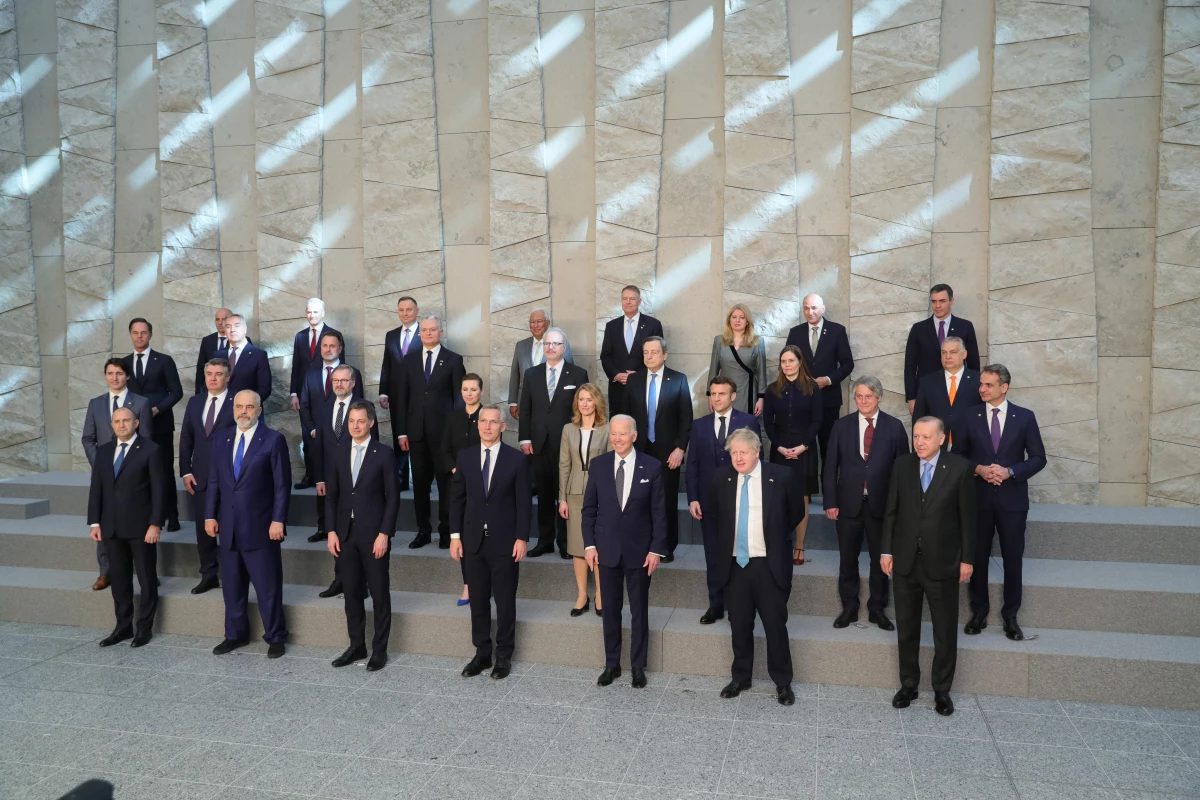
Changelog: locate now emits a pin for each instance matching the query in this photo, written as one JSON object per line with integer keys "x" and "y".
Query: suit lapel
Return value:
{"x": 937, "y": 481}
{"x": 252, "y": 447}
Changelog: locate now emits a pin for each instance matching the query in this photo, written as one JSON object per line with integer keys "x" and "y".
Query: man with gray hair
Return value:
{"x": 529, "y": 353}
{"x": 306, "y": 350}
{"x": 249, "y": 367}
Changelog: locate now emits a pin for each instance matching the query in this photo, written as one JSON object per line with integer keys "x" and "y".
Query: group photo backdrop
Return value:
{"x": 164, "y": 158}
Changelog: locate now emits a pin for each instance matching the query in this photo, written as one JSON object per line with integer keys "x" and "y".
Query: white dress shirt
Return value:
{"x": 537, "y": 352}
{"x": 209, "y": 399}
{"x": 727, "y": 416}
{"x": 314, "y": 332}
{"x": 248, "y": 436}
{"x": 957, "y": 381}
{"x": 756, "y": 540}
{"x": 629, "y": 464}
{"x": 862, "y": 431}
{"x": 483, "y": 450}
{"x": 658, "y": 386}
{"x": 414, "y": 336}
{"x": 120, "y": 400}
{"x": 334, "y": 411}
{"x": 327, "y": 369}
{"x": 937, "y": 322}
{"x": 145, "y": 354}
{"x": 1003, "y": 408}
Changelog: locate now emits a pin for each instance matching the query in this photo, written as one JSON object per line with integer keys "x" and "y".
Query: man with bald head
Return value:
{"x": 209, "y": 346}
{"x": 826, "y": 350}
{"x": 249, "y": 483}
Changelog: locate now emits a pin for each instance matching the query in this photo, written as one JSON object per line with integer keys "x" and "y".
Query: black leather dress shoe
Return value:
{"x": 904, "y": 697}
{"x": 275, "y": 649}
{"x": 172, "y": 525}
{"x": 564, "y": 555}
{"x": 1012, "y": 630}
{"x": 319, "y": 536}
{"x": 351, "y": 655}
{"x": 334, "y": 590}
{"x": 116, "y": 637}
{"x": 444, "y": 542}
{"x": 943, "y": 704}
{"x": 711, "y": 616}
{"x": 639, "y": 678}
{"x": 845, "y": 618}
{"x": 785, "y": 696}
{"x": 377, "y": 660}
{"x": 579, "y": 612}
{"x": 421, "y": 540}
{"x": 205, "y": 585}
{"x": 880, "y": 619}
{"x": 540, "y": 550}
{"x": 304, "y": 483}
{"x": 974, "y": 625}
{"x": 502, "y": 669}
{"x": 141, "y": 639}
{"x": 229, "y": 645}
{"x": 475, "y": 666}
{"x": 733, "y": 689}
{"x": 667, "y": 559}
{"x": 609, "y": 675}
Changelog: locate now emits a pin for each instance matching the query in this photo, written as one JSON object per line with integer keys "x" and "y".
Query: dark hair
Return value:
{"x": 942, "y": 287}
{"x": 136, "y": 320}
{"x": 408, "y": 297}
{"x": 362, "y": 405}
{"x": 218, "y": 362}
{"x": 116, "y": 362}
{"x": 807, "y": 384}
{"x": 1000, "y": 371}
{"x": 632, "y": 288}
{"x": 336, "y": 335}
{"x": 471, "y": 376}
{"x": 723, "y": 380}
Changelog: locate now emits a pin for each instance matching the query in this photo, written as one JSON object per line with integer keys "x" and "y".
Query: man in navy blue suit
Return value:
{"x": 209, "y": 346}
{"x": 621, "y": 348}
{"x": 204, "y": 418}
{"x": 950, "y": 394}
{"x": 396, "y": 345}
{"x": 705, "y": 457}
{"x": 1004, "y": 445}
{"x": 826, "y": 350}
{"x": 306, "y": 351}
{"x": 625, "y": 536}
{"x": 863, "y": 446}
{"x": 249, "y": 367}
{"x": 249, "y": 488}
{"x": 491, "y": 503}
{"x": 925, "y": 338}
{"x": 153, "y": 375}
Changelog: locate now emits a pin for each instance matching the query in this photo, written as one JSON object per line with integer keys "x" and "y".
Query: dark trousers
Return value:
{"x": 661, "y": 450}
{"x": 361, "y": 570}
{"x": 206, "y": 546}
{"x": 712, "y": 554}
{"x": 102, "y": 558}
{"x": 492, "y": 574}
{"x": 402, "y": 466}
{"x": 614, "y": 581}
{"x": 850, "y": 532}
{"x": 751, "y": 590}
{"x": 125, "y": 557}
{"x": 829, "y": 415}
{"x": 306, "y": 449}
{"x": 910, "y": 590}
{"x": 552, "y": 529}
{"x": 424, "y": 472}
{"x": 1010, "y": 525}
{"x": 166, "y": 453}
{"x": 262, "y": 569}
{"x": 616, "y": 398}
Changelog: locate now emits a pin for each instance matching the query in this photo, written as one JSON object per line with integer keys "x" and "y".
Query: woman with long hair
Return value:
{"x": 741, "y": 354}
{"x": 792, "y": 417}
{"x": 462, "y": 431}
{"x": 582, "y": 440}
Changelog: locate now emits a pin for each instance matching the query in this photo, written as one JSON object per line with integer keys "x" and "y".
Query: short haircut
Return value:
{"x": 127, "y": 410}
{"x": 631, "y": 288}
{"x": 745, "y": 436}
{"x": 429, "y": 317}
{"x": 471, "y": 376}
{"x": 658, "y": 339}
{"x": 136, "y": 320}
{"x": 540, "y": 310}
{"x": 314, "y": 301}
{"x": 1000, "y": 371}
{"x": 345, "y": 367}
{"x": 116, "y": 362}
{"x": 942, "y": 287}
{"x": 938, "y": 420}
{"x": 492, "y": 407}
{"x": 223, "y": 363}
{"x": 961, "y": 344}
{"x": 362, "y": 405}
{"x": 242, "y": 317}
{"x": 409, "y": 298}
{"x": 624, "y": 418}
{"x": 327, "y": 333}
{"x": 869, "y": 381}
{"x": 723, "y": 380}
{"x": 559, "y": 331}
{"x": 257, "y": 396}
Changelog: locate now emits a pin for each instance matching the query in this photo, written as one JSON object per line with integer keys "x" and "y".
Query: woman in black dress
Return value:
{"x": 462, "y": 431}
{"x": 792, "y": 417}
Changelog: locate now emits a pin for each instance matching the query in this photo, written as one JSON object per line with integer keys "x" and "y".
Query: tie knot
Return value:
{"x": 995, "y": 411}
{"x": 124, "y": 445}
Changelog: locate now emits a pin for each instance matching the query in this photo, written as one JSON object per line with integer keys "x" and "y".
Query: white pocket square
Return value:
{"x": 572, "y": 386}
{"x": 644, "y": 480}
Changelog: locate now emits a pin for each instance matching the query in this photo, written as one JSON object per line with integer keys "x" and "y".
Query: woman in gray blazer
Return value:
{"x": 741, "y": 354}
{"x": 582, "y": 440}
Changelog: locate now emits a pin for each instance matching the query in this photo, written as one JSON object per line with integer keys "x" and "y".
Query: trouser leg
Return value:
{"x": 771, "y": 603}
{"x": 977, "y": 589}
{"x": 505, "y": 575}
{"x": 943, "y": 610}
{"x": 637, "y": 583}
{"x": 145, "y": 562}
{"x": 1011, "y": 525}
{"x": 235, "y": 589}
{"x": 206, "y": 546}
{"x": 739, "y": 602}
{"x": 479, "y": 584}
{"x": 708, "y": 529}
{"x": 120, "y": 580}
{"x": 877, "y": 599}
{"x": 421, "y": 458}
{"x": 265, "y": 569}
{"x": 612, "y": 588}
{"x": 909, "y": 596}
{"x": 354, "y": 588}
{"x": 850, "y": 530}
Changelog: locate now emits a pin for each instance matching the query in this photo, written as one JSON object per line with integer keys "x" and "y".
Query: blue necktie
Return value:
{"x": 629, "y": 336}
{"x": 743, "y": 525}
{"x": 120, "y": 459}
{"x": 926, "y": 475}
{"x": 428, "y": 364}
{"x": 651, "y": 407}
{"x": 551, "y": 384}
{"x": 404, "y": 344}
{"x": 238, "y": 455}
{"x": 487, "y": 464}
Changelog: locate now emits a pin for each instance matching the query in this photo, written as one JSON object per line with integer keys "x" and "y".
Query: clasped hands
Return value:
{"x": 791, "y": 452}
{"x": 993, "y": 473}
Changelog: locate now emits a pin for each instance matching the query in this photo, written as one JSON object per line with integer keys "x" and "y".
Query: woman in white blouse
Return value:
{"x": 582, "y": 440}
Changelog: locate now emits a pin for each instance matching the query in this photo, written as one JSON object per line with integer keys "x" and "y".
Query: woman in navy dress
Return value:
{"x": 792, "y": 417}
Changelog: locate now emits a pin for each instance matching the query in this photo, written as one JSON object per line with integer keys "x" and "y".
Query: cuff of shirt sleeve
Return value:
{"x": 524, "y": 441}
{"x": 93, "y": 524}
{"x": 657, "y": 554}
{"x": 293, "y": 394}
{"x": 189, "y": 475}
{"x": 592, "y": 547}
{"x": 455, "y": 536}
{"x": 885, "y": 555}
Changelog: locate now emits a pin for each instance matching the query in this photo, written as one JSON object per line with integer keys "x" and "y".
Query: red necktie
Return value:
{"x": 312, "y": 344}
{"x": 868, "y": 437}
{"x": 328, "y": 380}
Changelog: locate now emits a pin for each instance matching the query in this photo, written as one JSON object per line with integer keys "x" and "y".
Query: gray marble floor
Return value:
{"x": 173, "y": 722}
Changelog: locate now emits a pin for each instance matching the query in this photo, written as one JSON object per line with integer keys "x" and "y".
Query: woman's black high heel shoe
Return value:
{"x": 599, "y": 611}
{"x": 579, "y": 612}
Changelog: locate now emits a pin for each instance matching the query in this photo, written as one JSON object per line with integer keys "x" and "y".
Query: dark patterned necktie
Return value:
{"x": 211, "y": 419}
{"x": 337, "y": 423}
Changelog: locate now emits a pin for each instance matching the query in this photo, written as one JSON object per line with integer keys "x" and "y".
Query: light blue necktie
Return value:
{"x": 404, "y": 344}
{"x": 629, "y": 336}
{"x": 552, "y": 383}
{"x": 120, "y": 459}
{"x": 358, "y": 456}
{"x": 743, "y": 525}
{"x": 238, "y": 455}
{"x": 926, "y": 475}
{"x": 651, "y": 407}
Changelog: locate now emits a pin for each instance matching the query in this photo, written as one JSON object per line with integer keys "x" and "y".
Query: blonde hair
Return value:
{"x": 597, "y": 399}
{"x": 750, "y": 338}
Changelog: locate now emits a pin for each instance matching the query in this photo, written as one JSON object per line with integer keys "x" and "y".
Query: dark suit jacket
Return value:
{"x": 208, "y": 349}
{"x": 195, "y": 448}
{"x": 129, "y": 503}
{"x": 940, "y": 522}
{"x": 253, "y": 371}
{"x": 160, "y": 385}
{"x": 542, "y": 419}
{"x": 301, "y": 361}
{"x": 614, "y": 357}
{"x": 933, "y": 400}
{"x": 506, "y": 509}
{"x": 246, "y": 507}
{"x": 923, "y": 352}
{"x": 845, "y": 469}
{"x": 705, "y": 458}
{"x": 782, "y": 511}
{"x": 326, "y": 442}
{"x": 390, "y": 371}
{"x": 313, "y": 401}
{"x": 639, "y": 528}
{"x": 419, "y": 409}
{"x": 374, "y": 499}
{"x": 1021, "y": 450}
{"x": 832, "y": 360}
{"x": 97, "y": 423}
{"x": 672, "y": 420}
{"x": 462, "y": 430}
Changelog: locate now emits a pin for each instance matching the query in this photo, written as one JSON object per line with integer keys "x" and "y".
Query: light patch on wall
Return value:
{"x": 34, "y": 72}
{"x": 458, "y": 8}
{"x": 558, "y": 38}
{"x": 668, "y": 54}
{"x": 466, "y": 323}
{"x": 143, "y": 173}
{"x": 628, "y": 197}
{"x": 673, "y": 281}
{"x": 954, "y": 196}
{"x": 559, "y": 144}
{"x": 32, "y": 176}
{"x": 694, "y": 150}
{"x": 805, "y": 69}
{"x": 874, "y": 13}
{"x": 139, "y": 283}
{"x": 141, "y": 74}
{"x": 961, "y": 71}
{"x": 694, "y": 34}
{"x": 212, "y": 10}
{"x": 274, "y": 49}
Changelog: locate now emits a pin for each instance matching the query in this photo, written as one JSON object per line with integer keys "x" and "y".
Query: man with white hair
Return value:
{"x": 306, "y": 350}
{"x": 529, "y": 353}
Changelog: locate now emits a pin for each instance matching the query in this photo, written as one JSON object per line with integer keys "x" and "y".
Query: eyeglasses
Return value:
{"x": 552, "y": 344}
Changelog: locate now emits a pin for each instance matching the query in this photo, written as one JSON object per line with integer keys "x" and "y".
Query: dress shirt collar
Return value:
{"x": 337, "y": 362}
{"x": 145, "y": 353}
{"x": 863, "y": 418}
{"x": 249, "y": 434}
{"x": 937, "y": 321}
{"x": 121, "y": 395}
{"x": 363, "y": 443}
{"x": 1003, "y": 407}
{"x": 755, "y": 474}
{"x": 957, "y": 375}
{"x": 635, "y": 319}
{"x": 219, "y": 397}
{"x": 933, "y": 461}
{"x": 629, "y": 459}
{"x": 820, "y": 326}
{"x": 132, "y": 439}
{"x": 659, "y": 372}
{"x": 435, "y": 350}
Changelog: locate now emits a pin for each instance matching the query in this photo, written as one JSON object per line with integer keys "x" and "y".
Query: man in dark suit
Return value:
{"x": 205, "y": 417}
{"x": 706, "y": 456}
{"x": 97, "y": 430}
{"x": 863, "y": 446}
{"x": 660, "y": 402}
{"x": 529, "y": 353}
{"x": 951, "y": 393}
{"x": 825, "y": 348}
{"x": 757, "y": 512}
{"x": 316, "y": 392}
{"x": 928, "y": 548}
{"x": 426, "y": 389}
{"x": 621, "y": 348}
{"x": 490, "y": 504}
{"x": 209, "y": 346}
{"x": 396, "y": 345}
{"x": 922, "y": 352}
{"x": 1004, "y": 445}
{"x": 625, "y": 536}
{"x": 125, "y": 512}
{"x": 547, "y": 404}
{"x": 249, "y": 489}
{"x": 306, "y": 351}
{"x": 249, "y": 367}
{"x": 154, "y": 376}
{"x": 363, "y": 495}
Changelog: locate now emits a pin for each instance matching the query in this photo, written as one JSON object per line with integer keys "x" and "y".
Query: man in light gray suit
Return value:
{"x": 529, "y": 353}
{"x": 97, "y": 430}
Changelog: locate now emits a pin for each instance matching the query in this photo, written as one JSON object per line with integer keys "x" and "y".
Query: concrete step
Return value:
{"x": 1059, "y": 664}
{"x": 23, "y": 507}
{"x": 1076, "y": 595}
